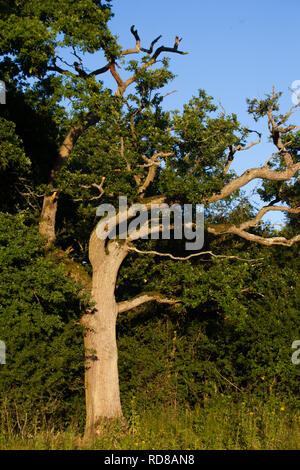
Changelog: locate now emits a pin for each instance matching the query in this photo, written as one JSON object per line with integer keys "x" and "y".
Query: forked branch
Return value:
{"x": 123, "y": 85}
{"x": 233, "y": 150}
{"x": 152, "y": 163}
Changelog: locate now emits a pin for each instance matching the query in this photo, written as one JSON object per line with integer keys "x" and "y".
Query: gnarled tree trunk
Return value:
{"x": 101, "y": 377}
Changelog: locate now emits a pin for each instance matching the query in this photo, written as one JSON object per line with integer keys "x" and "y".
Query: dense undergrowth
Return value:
{"x": 221, "y": 423}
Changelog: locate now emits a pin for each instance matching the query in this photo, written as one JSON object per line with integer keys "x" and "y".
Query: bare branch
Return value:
{"x": 177, "y": 41}
{"x": 170, "y": 93}
{"x": 76, "y": 55}
{"x": 169, "y": 255}
{"x": 118, "y": 79}
{"x": 149, "y": 178}
{"x": 153, "y": 163}
{"x": 251, "y": 174}
{"x": 240, "y": 229}
{"x": 229, "y": 160}
{"x": 275, "y": 134}
{"x": 150, "y": 50}
{"x": 223, "y": 109}
{"x": 56, "y": 68}
{"x": 239, "y": 148}
{"x": 69, "y": 143}
{"x": 261, "y": 240}
{"x": 277, "y": 130}
{"x": 100, "y": 70}
{"x": 123, "y": 85}
{"x": 166, "y": 49}
{"x": 288, "y": 114}
{"x": 100, "y": 188}
{"x": 276, "y": 153}
{"x": 93, "y": 185}
{"x": 263, "y": 211}
{"x": 137, "y": 47}
{"x": 142, "y": 299}
{"x": 79, "y": 70}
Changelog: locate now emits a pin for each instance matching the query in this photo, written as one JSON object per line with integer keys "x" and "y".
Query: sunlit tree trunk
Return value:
{"x": 101, "y": 377}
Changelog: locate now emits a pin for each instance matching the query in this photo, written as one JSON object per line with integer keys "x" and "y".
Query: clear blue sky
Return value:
{"x": 237, "y": 49}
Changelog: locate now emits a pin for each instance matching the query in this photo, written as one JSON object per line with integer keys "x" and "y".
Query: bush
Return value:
{"x": 39, "y": 313}
{"x": 175, "y": 358}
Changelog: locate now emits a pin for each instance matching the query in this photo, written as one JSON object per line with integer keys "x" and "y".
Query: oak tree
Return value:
{"x": 125, "y": 144}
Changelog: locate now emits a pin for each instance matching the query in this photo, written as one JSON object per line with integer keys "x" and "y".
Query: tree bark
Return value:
{"x": 101, "y": 375}
{"x": 48, "y": 217}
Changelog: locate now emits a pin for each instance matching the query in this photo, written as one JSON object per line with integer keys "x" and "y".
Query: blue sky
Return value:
{"x": 237, "y": 50}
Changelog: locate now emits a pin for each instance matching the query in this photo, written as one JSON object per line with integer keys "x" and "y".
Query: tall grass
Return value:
{"x": 220, "y": 423}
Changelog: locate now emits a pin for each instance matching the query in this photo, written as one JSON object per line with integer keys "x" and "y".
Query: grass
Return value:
{"x": 220, "y": 424}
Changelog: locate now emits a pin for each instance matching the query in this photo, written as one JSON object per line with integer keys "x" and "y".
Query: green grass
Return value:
{"x": 219, "y": 424}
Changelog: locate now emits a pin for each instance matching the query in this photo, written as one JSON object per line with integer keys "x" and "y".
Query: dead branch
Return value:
{"x": 239, "y": 148}
{"x": 137, "y": 47}
{"x": 123, "y": 85}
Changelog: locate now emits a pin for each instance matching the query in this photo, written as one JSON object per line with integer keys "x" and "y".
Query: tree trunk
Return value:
{"x": 48, "y": 215}
{"x": 47, "y": 220}
{"x": 101, "y": 376}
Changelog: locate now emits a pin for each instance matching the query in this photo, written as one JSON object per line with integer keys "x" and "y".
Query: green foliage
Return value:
{"x": 14, "y": 165}
{"x": 36, "y": 40}
{"x": 234, "y": 336}
{"x": 147, "y": 81}
{"x": 39, "y": 314}
{"x": 260, "y": 108}
{"x": 112, "y": 150}
{"x": 39, "y": 122}
{"x": 13, "y": 158}
{"x": 32, "y": 31}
